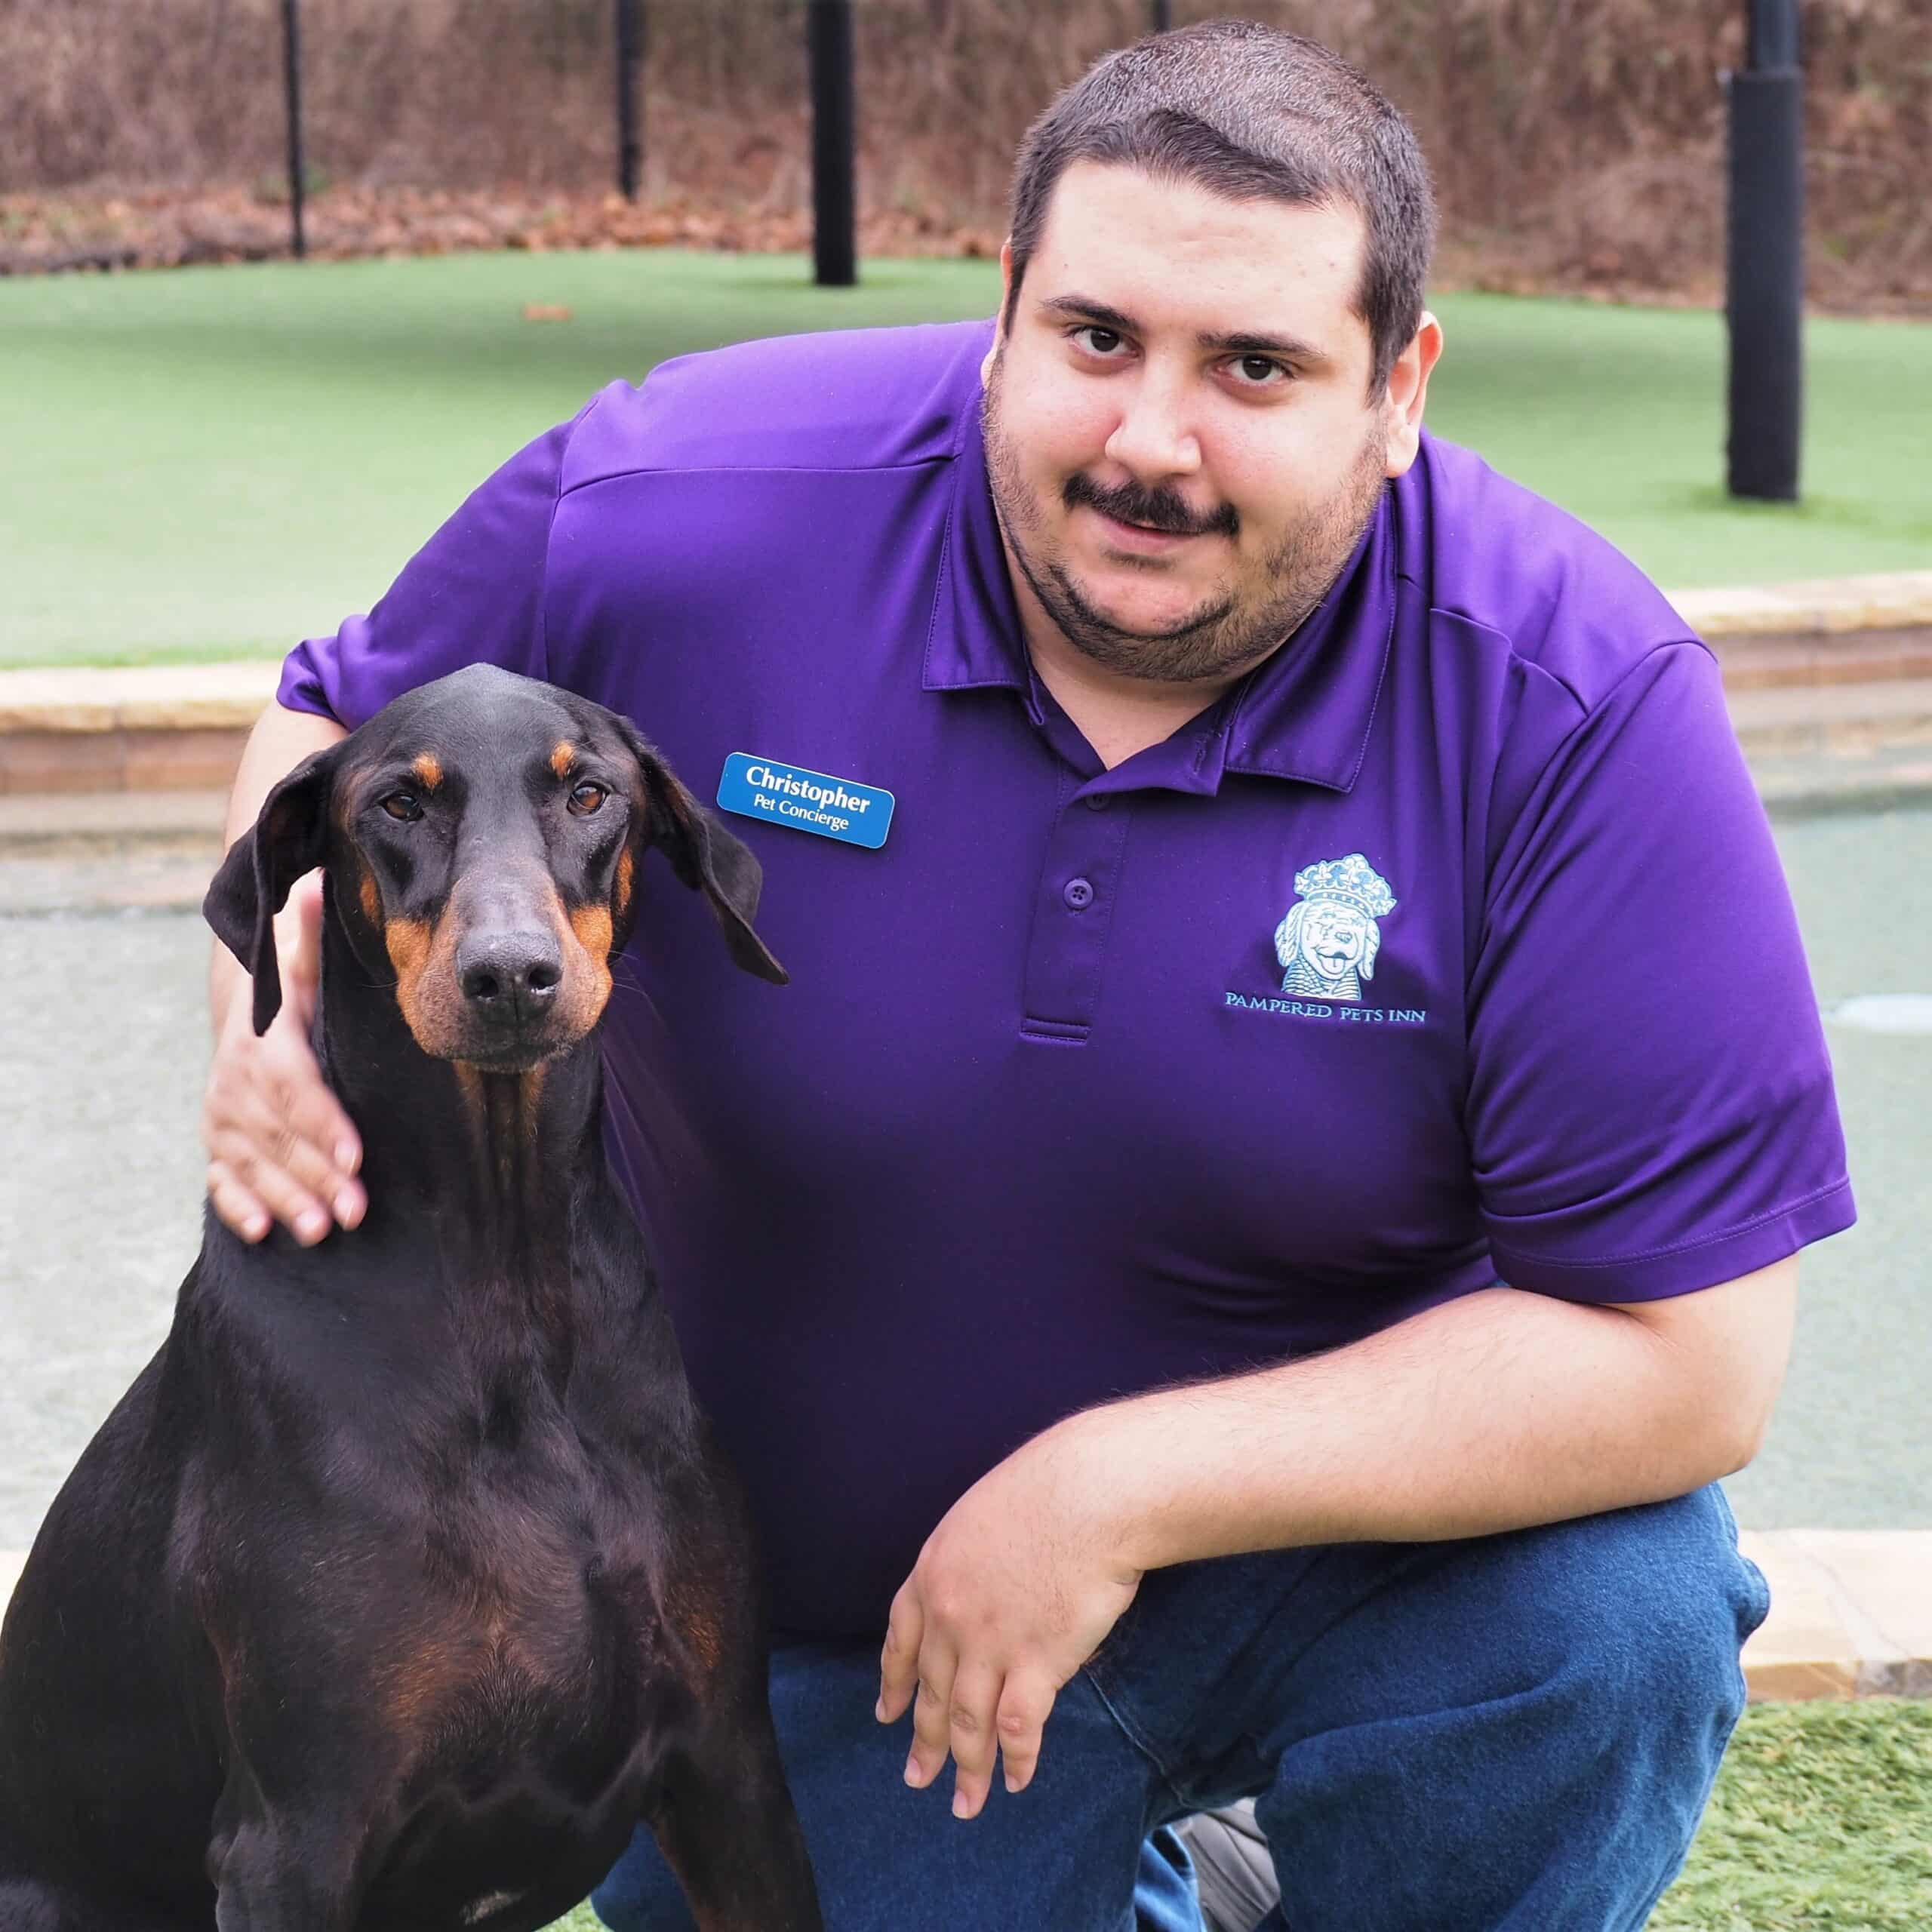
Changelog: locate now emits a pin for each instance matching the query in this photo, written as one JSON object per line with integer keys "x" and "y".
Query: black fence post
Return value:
{"x": 1162, "y": 14}
{"x": 630, "y": 113}
{"x": 834, "y": 219}
{"x": 1764, "y": 281}
{"x": 291, "y": 79}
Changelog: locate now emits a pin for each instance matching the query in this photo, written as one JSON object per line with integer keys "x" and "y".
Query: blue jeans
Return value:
{"x": 1515, "y": 1731}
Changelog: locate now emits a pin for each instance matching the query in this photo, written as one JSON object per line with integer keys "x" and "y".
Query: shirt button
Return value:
{"x": 1098, "y": 801}
{"x": 1078, "y": 892}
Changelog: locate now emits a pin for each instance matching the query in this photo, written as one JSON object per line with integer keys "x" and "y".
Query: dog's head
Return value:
{"x": 481, "y": 837}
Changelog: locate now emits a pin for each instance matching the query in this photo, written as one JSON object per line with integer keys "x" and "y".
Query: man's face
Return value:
{"x": 1179, "y": 440}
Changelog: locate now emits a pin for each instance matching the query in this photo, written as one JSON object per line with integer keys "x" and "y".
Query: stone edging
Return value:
{"x": 1833, "y": 677}
{"x": 1851, "y": 1613}
{"x": 1893, "y": 600}
{"x": 230, "y": 695}
{"x": 155, "y": 697}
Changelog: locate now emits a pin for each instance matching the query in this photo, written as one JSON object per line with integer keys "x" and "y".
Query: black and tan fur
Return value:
{"x": 406, "y": 1581}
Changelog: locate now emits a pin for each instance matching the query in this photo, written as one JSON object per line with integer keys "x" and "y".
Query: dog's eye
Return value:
{"x": 403, "y": 805}
{"x": 585, "y": 798}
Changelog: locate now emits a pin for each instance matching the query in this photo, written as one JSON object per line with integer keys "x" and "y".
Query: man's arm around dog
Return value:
{"x": 279, "y": 1144}
{"x": 1493, "y": 1412}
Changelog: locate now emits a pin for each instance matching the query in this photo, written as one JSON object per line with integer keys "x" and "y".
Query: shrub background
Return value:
{"x": 1575, "y": 141}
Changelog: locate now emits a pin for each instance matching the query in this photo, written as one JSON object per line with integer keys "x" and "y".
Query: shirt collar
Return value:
{"x": 1304, "y": 714}
{"x": 975, "y": 639}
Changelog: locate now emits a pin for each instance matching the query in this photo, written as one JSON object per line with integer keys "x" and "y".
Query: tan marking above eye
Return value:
{"x": 427, "y": 768}
{"x": 563, "y": 757}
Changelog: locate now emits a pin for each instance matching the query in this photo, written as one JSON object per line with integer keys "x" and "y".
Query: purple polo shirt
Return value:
{"x": 1450, "y": 944}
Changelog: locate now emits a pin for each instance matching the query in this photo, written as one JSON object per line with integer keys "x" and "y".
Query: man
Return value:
{"x": 1207, "y": 1384}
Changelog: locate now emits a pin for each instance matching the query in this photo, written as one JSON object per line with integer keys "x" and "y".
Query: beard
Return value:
{"x": 1230, "y": 631}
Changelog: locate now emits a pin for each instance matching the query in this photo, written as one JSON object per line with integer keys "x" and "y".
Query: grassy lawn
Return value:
{"x": 212, "y": 462}
{"x": 1821, "y": 1819}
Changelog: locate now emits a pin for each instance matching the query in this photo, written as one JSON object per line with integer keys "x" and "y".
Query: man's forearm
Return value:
{"x": 1496, "y": 1411}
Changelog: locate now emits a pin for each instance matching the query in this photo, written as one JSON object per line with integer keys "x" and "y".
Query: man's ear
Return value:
{"x": 288, "y": 838}
{"x": 705, "y": 855}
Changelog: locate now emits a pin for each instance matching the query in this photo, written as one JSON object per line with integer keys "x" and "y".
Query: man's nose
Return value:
{"x": 509, "y": 976}
{"x": 1154, "y": 437}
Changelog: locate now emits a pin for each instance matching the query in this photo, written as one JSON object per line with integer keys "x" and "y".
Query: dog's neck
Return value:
{"x": 495, "y": 1161}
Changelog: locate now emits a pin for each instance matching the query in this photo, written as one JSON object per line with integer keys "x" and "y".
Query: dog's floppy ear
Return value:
{"x": 286, "y": 840}
{"x": 703, "y": 854}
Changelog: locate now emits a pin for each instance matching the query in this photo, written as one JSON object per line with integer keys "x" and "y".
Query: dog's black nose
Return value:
{"x": 509, "y": 975}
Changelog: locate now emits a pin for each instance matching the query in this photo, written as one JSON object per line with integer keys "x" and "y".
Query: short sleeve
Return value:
{"x": 473, "y": 594}
{"x": 1650, "y": 1108}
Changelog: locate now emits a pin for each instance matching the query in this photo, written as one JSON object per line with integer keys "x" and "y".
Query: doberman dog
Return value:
{"x": 406, "y": 1580}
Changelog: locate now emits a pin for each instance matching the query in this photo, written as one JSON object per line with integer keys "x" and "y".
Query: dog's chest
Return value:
{"x": 538, "y": 1674}
{"x": 535, "y": 1613}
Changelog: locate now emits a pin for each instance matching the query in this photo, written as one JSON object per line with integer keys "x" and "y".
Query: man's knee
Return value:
{"x": 1644, "y": 1611}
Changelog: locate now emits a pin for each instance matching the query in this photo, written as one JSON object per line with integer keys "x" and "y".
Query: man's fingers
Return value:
{"x": 328, "y": 1149}
{"x": 976, "y": 1697}
{"x": 932, "y": 1715}
{"x": 1024, "y": 1704}
{"x": 269, "y": 1119}
{"x": 899, "y": 1661}
{"x": 234, "y": 1205}
{"x": 297, "y": 1130}
{"x": 298, "y": 1209}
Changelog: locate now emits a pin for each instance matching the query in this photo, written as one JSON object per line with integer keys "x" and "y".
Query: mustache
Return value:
{"x": 1158, "y": 509}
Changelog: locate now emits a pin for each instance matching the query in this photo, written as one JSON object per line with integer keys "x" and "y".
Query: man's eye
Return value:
{"x": 585, "y": 798}
{"x": 1103, "y": 340}
{"x": 1262, "y": 368}
{"x": 403, "y": 805}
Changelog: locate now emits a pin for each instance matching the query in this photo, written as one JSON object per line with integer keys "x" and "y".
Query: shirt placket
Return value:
{"x": 1073, "y": 915}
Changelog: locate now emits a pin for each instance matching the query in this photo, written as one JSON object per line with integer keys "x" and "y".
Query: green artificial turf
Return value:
{"x": 213, "y": 462}
{"x": 1821, "y": 1819}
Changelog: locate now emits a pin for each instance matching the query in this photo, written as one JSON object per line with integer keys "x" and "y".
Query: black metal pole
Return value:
{"x": 835, "y": 221}
{"x": 1764, "y": 285}
{"x": 630, "y": 112}
{"x": 1163, "y": 13}
{"x": 292, "y": 76}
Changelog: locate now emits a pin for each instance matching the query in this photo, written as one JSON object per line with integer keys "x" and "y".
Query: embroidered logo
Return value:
{"x": 1327, "y": 944}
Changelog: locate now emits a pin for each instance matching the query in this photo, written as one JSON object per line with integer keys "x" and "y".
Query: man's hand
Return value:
{"x": 1012, "y": 1593}
{"x": 278, "y": 1142}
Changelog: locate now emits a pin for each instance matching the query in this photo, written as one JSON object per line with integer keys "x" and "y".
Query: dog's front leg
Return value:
{"x": 723, "y": 1818}
{"x": 282, "y": 1868}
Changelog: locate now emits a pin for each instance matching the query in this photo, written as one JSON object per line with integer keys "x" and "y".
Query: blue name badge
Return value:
{"x": 839, "y": 808}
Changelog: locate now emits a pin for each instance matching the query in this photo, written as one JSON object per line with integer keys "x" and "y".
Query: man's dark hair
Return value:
{"x": 1249, "y": 113}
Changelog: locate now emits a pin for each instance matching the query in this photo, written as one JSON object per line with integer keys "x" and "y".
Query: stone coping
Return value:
{"x": 1892, "y": 600}
{"x": 230, "y": 695}
{"x": 151, "y": 697}
{"x": 1851, "y": 1613}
